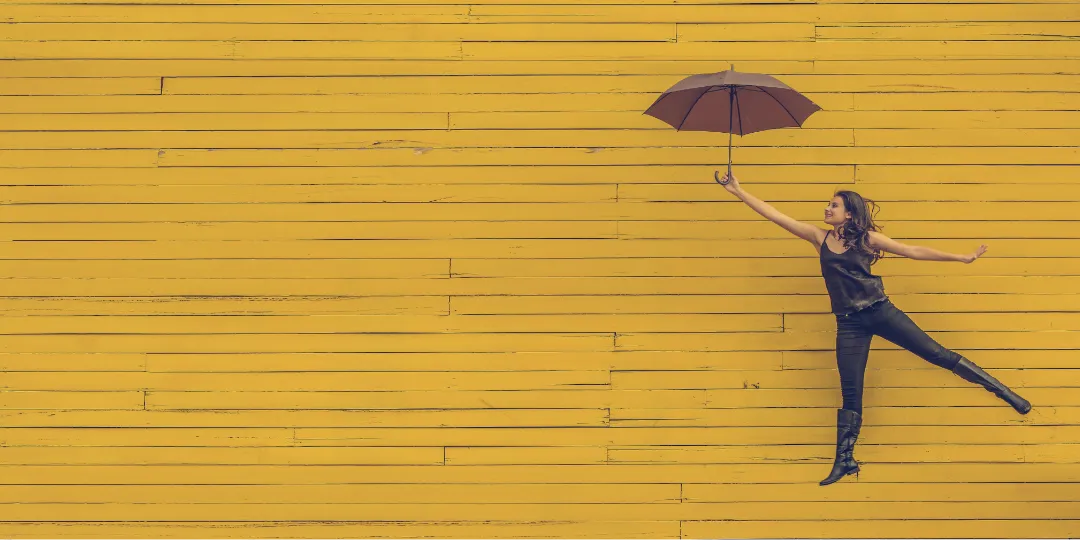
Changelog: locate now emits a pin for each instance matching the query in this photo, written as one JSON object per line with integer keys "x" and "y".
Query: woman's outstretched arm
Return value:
{"x": 921, "y": 253}
{"x": 806, "y": 231}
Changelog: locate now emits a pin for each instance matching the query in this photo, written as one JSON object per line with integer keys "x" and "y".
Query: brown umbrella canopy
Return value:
{"x": 731, "y": 102}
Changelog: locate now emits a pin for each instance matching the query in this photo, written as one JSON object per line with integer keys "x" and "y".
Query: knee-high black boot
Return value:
{"x": 973, "y": 373}
{"x": 848, "y": 423}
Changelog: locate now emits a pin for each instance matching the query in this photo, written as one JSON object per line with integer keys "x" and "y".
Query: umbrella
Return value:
{"x": 705, "y": 103}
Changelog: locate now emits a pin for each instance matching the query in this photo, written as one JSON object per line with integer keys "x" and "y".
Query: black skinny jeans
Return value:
{"x": 854, "y": 333}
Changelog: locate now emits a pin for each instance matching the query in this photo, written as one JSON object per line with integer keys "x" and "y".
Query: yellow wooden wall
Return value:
{"x": 284, "y": 268}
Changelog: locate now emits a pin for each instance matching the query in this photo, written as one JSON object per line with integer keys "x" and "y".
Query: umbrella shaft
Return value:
{"x": 731, "y": 117}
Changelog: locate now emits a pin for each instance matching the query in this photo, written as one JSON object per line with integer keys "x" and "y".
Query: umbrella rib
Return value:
{"x": 688, "y": 111}
{"x": 658, "y": 100}
{"x": 782, "y": 105}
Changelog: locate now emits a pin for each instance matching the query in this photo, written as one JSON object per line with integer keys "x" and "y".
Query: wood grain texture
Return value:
{"x": 422, "y": 268}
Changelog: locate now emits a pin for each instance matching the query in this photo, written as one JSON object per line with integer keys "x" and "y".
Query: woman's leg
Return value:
{"x": 852, "y": 350}
{"x": 895, "y": 326}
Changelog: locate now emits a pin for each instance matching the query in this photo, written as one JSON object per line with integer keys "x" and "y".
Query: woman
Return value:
{"x": 863, "y": 310}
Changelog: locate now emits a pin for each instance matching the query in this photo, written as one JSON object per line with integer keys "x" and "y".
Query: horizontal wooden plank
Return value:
{"x": 314, "y": 268}
{"x": 903, "y": 174}
{"x": 924, "y": 175}
{"x": 390, "y": 494}
{"x": 561, "y": 417}
{"x": 461, "y": 529}
{"x": 953, "y": 322}
{"x": 910, "y": 230}
{"x": 426, "y": 140}
{"x": 628, "y": 380}
{"x": 1018, "y": 31}
{"x": 225, "y": 304}
{"x": 789, "y": 304}
{"x": 80, "y": 86}
{"x": 350, "y": 268}
{"x": 825, "y": 13}
{"x": 370, "y": 381}
{"x": 823, "y": 120}
{"x": 929, "y": 396}
{"x": 866, "y": 454}
{"x": 945, "y": 138}
{"x": 890, "y": 528}
{"x": 198, "y": 50}
{"x": 364, "y": 2}
{"x": 390, "y": 157}
{"x": 164, "y": 455}
{"x": 549, "y": 455}
{"x": 825, "y": 417}
{"x": 322, "y": 194}
{"x": 771, "y": 192}
{"x": 832, "y": 11}
{"x": 94, "y": 437}
{"x": 704, "y": 267}
{"x": 387, "y": 418}
{"x": 871, "y": 454}
{"x": 742, "y": 32}
{"x": 555, "y": 138}
{"x": 584, "y": 396}
{"x": 1008, "y": 252}
{"x": 516, "y": 474}
{"x": 827, "y": 378}
{"x": 312, "y": 342}
{"x": 314, "y": 230}
{"x": 856, "y": 491}
{"x": 395, "y": 32}
{"x": 76, "y": 362}
{"x": 624, "y": 257}
{"x": 78, "y": 158}
{"x": 46, "y": 324}
{"x": 277, "y": 231}
{"x": 247, "y": 96}
{"x": 817, "y": 87}
{"x": 226, "y": 121}
{"x": 827, "y": 340}
{"x": 554, "y": 511}
{"x": 902, "y": 359}
{"x": 776, "y": 50}
{"x": 89, "y": 400}
{"x": 792, "y": 322}
{"x": 237, "y": 13}
{"x": 498, "y": 362}
{"x": 352, "y": 292}
{"x": 328, "y": 68}
{"x": 967, "y": 100}
{"x": 315, "y": 362}
{"x": 643, "y": 361}
{"x": 695, "y": 436}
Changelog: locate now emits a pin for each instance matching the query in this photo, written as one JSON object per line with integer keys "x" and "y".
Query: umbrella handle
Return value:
{"x": 716, "y": 175}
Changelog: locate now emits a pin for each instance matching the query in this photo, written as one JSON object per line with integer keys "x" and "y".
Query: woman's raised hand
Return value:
{"x": 970, "y": 258}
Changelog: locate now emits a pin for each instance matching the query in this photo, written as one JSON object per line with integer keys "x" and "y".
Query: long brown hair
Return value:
{"x": 855, "y": 232}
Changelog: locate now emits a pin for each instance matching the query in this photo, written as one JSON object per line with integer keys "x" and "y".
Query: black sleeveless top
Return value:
{"x": 848, "y": 278}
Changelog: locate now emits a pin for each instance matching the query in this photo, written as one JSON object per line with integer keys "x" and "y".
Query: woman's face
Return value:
{"x": 835, "y": 214}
